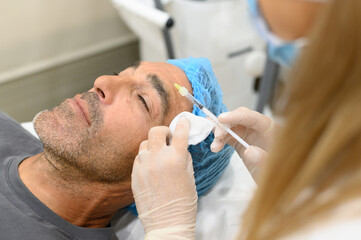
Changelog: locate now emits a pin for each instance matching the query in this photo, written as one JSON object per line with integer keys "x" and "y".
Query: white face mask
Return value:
{"x": 279, "y": 50}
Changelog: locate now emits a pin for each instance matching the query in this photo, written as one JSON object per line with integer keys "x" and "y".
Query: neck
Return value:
{"x": 82, "y": 203}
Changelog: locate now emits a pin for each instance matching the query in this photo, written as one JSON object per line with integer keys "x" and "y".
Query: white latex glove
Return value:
{"x": 163, "y": 184}
{"x": 253, "y": 127}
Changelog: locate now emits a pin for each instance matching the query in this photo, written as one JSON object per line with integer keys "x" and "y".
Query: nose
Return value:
{"x": 108, "y": 87}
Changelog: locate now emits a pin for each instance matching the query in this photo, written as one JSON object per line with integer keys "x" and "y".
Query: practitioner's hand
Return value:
{"x": 253, "y": 127}
{"x": 163, "y": 184}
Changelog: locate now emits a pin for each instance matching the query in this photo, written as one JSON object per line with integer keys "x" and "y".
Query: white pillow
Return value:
{"x": 29, "y": 127}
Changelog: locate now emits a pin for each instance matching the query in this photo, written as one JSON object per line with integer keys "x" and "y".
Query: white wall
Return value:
{"x": 36, "y": 30}
{"x": 52, "y": 49}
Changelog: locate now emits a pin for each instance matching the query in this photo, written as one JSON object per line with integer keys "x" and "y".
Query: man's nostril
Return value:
{"x": 101, "y": 93}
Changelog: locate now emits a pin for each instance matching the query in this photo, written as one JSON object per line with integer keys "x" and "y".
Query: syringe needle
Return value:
{"x": 184, "y": 92}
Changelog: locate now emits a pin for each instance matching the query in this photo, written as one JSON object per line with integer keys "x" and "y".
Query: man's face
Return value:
{"x": 99, "y": 132}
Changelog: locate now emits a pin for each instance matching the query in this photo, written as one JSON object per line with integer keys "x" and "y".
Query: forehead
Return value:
{"x": 168, "y": 74}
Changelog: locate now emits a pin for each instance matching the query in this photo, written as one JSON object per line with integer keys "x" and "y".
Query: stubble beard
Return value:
{"x": 80, "y": 152}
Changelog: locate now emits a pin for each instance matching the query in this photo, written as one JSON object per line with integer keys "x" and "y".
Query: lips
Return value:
{"x": 82, "y": 107}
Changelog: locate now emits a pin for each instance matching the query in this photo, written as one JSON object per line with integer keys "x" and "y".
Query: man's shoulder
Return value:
{"x": 15, "y": 140}
{"x": 14, "y": 224}
{"x": 23, "y": 216}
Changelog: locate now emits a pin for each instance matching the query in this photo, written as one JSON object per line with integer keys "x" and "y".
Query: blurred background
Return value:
{"x": 50, "y": 50}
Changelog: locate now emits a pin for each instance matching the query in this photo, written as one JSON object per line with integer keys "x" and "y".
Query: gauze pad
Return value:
{"x": 200, "y": 127}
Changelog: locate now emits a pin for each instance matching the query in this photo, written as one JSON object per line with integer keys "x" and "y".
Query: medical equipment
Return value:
{"x": 184, "y": 92}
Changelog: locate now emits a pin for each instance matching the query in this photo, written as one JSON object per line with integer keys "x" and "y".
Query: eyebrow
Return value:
{"x": 157, "y": 84}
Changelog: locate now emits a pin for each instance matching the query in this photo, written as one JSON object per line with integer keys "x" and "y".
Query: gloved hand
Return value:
{"x": 253, "y": 127}
{"x": 163, "y": 184}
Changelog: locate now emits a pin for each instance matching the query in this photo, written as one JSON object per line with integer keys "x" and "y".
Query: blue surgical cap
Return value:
{"x": 208, "y": 166}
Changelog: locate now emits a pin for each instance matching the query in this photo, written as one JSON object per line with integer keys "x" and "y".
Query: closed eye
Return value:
{"x": 143, "y": 102}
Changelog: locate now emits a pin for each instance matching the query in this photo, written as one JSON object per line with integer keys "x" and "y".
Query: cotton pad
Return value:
{"x": 200, "y": 127}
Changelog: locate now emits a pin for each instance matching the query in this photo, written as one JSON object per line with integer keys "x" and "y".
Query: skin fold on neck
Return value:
{"x": 85, "y": 204}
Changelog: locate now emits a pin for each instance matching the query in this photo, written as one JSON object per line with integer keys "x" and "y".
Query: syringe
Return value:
{"x": 184, "y": 92}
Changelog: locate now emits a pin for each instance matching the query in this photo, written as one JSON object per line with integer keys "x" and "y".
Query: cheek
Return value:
{"x": 128, "y": 129}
